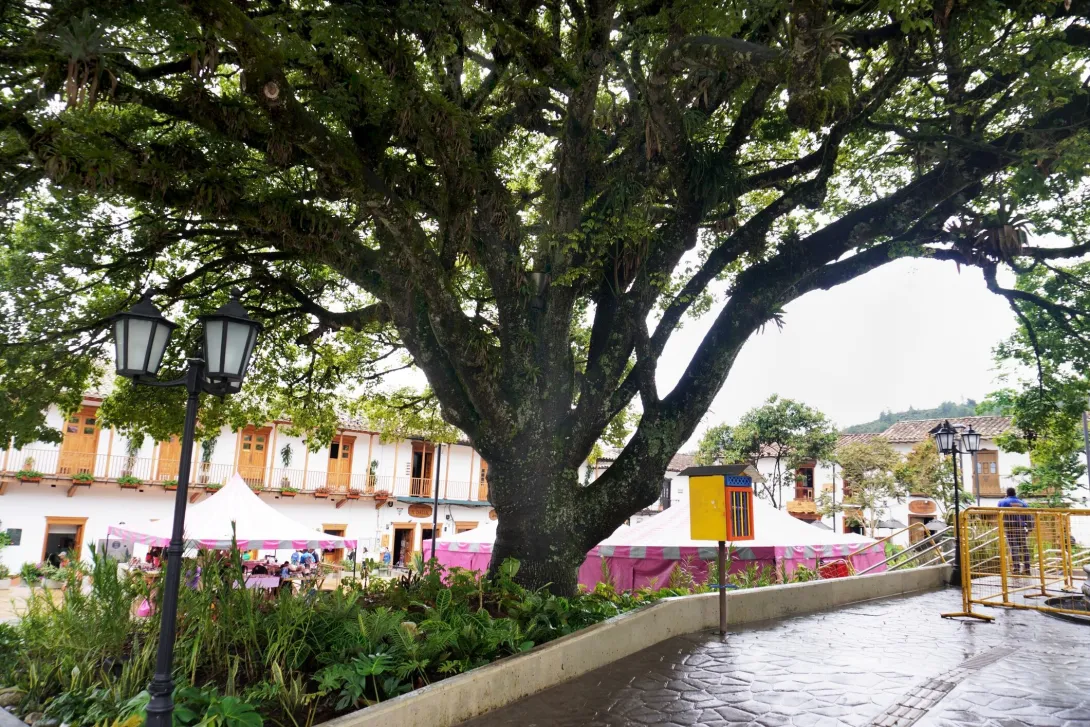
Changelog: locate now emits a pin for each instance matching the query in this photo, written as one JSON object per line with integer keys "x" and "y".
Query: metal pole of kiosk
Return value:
{"x": 722, "y": 588}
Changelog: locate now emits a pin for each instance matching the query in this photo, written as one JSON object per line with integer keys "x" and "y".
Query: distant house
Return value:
{"x": 986, "y": 476}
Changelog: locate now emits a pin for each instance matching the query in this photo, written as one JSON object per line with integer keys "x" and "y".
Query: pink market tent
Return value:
{"x": 471, "y": 549}
{"x": 639, "y": 554}
{"x": 257, "y": 525}
{"x": 649, "y": 551}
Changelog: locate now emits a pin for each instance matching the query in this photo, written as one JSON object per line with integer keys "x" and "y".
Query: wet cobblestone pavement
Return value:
{"x": 881, "y": 663}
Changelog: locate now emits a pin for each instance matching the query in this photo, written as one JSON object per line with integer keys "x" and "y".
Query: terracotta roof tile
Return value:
{"x": 680, "y": 461}
{"x": 853, "y": 438}
{"x": 916, "y": 430}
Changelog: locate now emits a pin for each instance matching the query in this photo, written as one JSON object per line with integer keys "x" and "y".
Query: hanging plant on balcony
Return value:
{"x": 28, "y": 473}
{"x": 170, "y": 484}
{"x": 352, "y": 495}
{"x": 208, "y": 446}
{"x": 128, "y": 482}
{"x": 321, "y": 492}
{"x": 288, "y": 490}
{"x": 136, "y": 441}
{"x": 381, "y": 496}
{"x": 285, "y": 458}
{"x": 83, "y": 478}
{"x": 257, "y": 487}
{"x": 213, "y": 486}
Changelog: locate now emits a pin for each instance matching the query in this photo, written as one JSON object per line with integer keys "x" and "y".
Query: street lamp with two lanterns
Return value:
{"x": 951, "y": 442}
{"x": 141, "y": 335}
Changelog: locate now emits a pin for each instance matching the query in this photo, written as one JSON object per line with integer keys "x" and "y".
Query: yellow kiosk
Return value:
{"x": 721, "y": 509}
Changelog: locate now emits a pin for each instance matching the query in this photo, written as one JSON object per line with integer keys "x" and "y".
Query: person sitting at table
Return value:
{"x": 285, "y": 569}
{"x": 296, "y": 561}
{"x": 260, "y": 570}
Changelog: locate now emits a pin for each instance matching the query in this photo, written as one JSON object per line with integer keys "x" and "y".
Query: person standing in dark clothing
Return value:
{"x": 1017, "y": 529}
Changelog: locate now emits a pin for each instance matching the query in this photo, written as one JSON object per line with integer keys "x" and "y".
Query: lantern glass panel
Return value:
{"x": 158, "y": 347}
{"x": 238, "y": 336}
{"x": 213, "y": 339}
{"x": 120, "y": 350}
{"x": 139, "y": 338}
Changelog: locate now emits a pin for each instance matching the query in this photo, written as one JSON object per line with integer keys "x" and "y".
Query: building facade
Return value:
{"x": 64, "y": 496}
{"x": 986, "y": 476}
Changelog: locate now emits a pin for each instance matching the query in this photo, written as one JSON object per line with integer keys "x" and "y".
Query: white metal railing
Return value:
{"x": 55, "y": 462}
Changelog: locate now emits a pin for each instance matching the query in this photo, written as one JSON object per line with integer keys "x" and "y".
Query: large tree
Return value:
{"x": 525, "y": 197}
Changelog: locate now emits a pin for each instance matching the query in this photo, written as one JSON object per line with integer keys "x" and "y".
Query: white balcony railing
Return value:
{"x": 55, "y": 463}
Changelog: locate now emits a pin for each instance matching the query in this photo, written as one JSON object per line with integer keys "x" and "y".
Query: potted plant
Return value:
{"x": 257, "y": 486}
{"x": 285, "y": 458}
{"x": 170, "y": 485}
{"x": 381, "y": 496}
{"x": 208, "y": 446}
{"x": 136, "y": 441}
{"x": 83, "y": 478}
{"x": 213, "y": 486}
{"x": 31, "y": 574}
{"x": 322, "y": 491}
{"x": 372, "y": 476}
{"x": 288, "y": 491}
{"x": 52, "y": 576}
{"x": 28, "y": 473}
{"x": 128, "y": 482}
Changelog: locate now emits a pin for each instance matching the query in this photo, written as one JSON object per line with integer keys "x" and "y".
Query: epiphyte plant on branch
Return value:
{"x": 523, "y": 200}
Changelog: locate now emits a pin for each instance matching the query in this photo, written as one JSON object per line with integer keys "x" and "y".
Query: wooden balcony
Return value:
{"x": 107, "y": 469}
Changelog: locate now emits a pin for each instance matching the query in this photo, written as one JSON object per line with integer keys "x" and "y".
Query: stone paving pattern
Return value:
{"x": 13, "y": 602}
{"x": 882, "y": 663}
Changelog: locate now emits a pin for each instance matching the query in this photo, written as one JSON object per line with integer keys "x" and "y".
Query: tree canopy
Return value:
{"x": 524, "y": 199}
{"x": 868, "y": 470}
{"x": 1045, "y": 364}
{"x": 786, "y": 431}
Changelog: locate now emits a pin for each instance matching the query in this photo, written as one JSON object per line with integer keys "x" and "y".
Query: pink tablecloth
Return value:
{"x": 266, "y": 582}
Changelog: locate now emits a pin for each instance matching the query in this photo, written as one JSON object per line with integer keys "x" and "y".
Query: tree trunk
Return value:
{"x": 538, "y": 524}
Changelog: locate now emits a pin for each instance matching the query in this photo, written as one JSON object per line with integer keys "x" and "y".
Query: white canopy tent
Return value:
{"x": 234, "y": 511}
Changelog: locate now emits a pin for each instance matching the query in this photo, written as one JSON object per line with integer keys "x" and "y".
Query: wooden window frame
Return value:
{"x": 747, "y": 493}
{"x": 462, "y": 526}
{"x": 80, "y": 521}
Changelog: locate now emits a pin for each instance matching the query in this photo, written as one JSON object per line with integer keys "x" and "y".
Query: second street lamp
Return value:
{"x": 141, "y": 335}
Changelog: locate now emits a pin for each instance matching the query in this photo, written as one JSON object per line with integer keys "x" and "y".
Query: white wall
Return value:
{"x": 27, "y": 505}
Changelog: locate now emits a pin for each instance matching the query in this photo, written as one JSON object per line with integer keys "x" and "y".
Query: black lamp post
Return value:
{"x": 946, "y": 438}
{"x": 141, "y": 335}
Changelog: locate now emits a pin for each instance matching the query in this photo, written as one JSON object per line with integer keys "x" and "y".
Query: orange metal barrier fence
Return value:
{"x": 1023, "y": 558}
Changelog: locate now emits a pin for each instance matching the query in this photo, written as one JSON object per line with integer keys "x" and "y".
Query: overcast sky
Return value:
{"x": 912, "y": 333}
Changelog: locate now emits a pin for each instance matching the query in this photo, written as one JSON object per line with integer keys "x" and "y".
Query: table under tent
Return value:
{"x": 645, "y": 554}
{"x": 236, "y": 517}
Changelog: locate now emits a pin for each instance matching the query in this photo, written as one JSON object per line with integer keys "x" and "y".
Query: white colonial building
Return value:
{"x": 357, "y": 485}
{"x": 986, "y": 475}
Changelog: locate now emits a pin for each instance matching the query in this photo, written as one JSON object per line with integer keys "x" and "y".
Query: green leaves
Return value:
{"x": 788, "y": 431}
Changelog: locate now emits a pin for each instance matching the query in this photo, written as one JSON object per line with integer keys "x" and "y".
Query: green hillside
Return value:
{"x": 888, "y": 418}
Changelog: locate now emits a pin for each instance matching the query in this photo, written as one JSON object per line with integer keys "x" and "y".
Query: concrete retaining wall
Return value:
{"x": 459, "y": 698}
